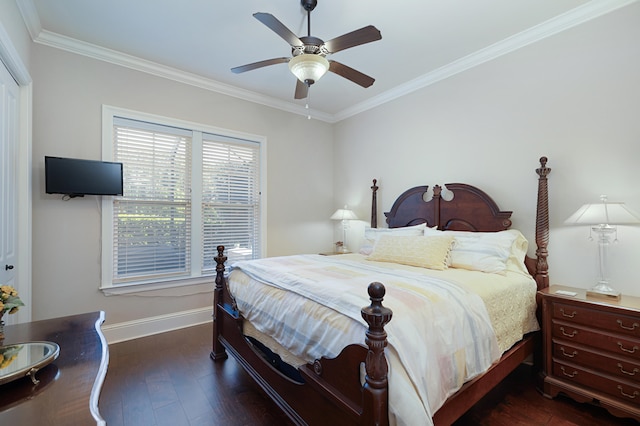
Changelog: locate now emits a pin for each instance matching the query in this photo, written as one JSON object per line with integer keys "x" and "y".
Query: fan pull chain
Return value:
{"x": 307, "y": 104}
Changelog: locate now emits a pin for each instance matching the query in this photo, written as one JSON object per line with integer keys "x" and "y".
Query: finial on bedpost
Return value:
{"x": 218, "y": 351}
{"x": 375, "y": 397}
{"x": 374, "y": 204}
{"x": 542, "y": 226}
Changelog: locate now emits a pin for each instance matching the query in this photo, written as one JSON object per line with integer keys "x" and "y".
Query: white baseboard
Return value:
{"x": 128, "y": 330}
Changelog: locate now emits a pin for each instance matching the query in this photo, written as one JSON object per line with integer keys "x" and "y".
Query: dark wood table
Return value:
{"x": 69, "y": 387}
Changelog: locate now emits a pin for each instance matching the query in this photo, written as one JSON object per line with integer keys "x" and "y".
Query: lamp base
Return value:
{"x": 602, "y": 290}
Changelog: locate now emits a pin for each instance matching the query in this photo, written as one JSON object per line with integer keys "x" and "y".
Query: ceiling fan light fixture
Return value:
{"x": 308, "y": 67}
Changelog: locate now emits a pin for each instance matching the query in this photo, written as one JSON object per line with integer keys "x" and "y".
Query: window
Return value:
{"x": 187, "y": 189}
{"x": 230, "y": 199}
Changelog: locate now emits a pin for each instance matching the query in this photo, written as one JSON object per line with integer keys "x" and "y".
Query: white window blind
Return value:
{"x": 230, "y": 198}
{"x": 186, "y": 191}
{"x": 152, "y": 221}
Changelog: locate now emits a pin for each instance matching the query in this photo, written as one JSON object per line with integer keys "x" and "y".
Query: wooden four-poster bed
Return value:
{"x": 337, "y": 390}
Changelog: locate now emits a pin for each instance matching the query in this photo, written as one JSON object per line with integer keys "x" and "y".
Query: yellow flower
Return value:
{"x": 9, "y": 300}
{"x": 7, "y": 361}
{"x": 8, "y": 354}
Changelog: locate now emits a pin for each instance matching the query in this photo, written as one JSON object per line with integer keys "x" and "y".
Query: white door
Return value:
{"x": 9, "y": 121}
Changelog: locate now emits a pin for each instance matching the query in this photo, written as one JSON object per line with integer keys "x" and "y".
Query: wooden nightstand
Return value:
{"x": 591, "y": 350}
{"x": 334, "y": 253}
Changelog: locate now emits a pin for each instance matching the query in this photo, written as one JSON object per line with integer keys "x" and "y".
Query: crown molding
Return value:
{"x": 570, "y": 19}
{"x": 560, "y": 23}
{"x": 79, "y": 47}
{"x": 10, "y": 57}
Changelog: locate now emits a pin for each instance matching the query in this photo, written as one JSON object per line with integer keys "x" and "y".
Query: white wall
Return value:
{"x": 572, "y": 97}
{"x": 11, "y": 22}
{"x": 15, "y": 52}
{"x": 69, "y": 91}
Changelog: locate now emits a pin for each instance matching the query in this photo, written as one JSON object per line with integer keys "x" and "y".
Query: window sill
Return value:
{"x": 206, "y": 284}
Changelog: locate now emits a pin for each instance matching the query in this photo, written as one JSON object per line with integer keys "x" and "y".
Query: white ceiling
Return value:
{"x": 199, "y": 41}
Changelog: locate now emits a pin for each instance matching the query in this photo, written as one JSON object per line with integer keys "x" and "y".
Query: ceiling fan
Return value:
{"x": 308, "y": 62}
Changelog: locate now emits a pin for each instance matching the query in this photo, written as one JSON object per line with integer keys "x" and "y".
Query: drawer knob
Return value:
{"x": 631, "y": 351}
{"x": 571, "y": 315}
{"x": 633, "y": 326}
{"x": 572, "y": 334}
{"x": 630, "y": 373}
{"x": 632, "y": 396}
{"x": 574, "y": 374}
{"x": 571, "y": 355}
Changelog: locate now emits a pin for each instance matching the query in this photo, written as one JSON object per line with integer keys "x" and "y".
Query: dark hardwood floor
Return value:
{"x": 169, "y": 379}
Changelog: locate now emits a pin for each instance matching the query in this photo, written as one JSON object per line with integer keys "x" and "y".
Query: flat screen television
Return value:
{"x": 75, "y": 177}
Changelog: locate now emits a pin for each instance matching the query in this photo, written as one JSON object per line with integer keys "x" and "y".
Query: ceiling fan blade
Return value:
{"x": 302, "y": 90}
{"x": 354, "y": 38}
{"x": 350, "y": 74}
{"x": 279, "y": 28}
{"x": 253, "y": 66}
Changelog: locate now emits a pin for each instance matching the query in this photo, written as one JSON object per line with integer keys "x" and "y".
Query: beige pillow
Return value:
{"x": 427, "y": 252}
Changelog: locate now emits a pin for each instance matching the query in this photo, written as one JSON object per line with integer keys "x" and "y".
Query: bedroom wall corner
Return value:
{"x": 571, "y": 97}
{"x": 69, "y": 91}
{"x": 12, "y": 23}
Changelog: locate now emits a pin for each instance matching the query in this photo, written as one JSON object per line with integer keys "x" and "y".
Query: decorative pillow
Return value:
{"x": 426, "y": 252}
{"x": 480, "y": 251}
{"x": 372, "y": 235}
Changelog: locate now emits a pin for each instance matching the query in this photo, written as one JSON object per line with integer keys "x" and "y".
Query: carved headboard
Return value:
{"x": 470, "y": 209}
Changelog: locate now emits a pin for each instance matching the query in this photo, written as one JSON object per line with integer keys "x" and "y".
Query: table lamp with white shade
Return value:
{"x": 603, "y": 217}
{"x": 344, "y": 215}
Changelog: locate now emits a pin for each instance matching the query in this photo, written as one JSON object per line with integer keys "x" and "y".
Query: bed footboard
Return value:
{"x": 330, "y": 390}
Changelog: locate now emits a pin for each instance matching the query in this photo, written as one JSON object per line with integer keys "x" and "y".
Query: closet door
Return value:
{"x": 9, "y": 121}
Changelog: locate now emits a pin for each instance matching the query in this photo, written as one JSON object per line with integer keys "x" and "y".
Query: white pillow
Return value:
{"x": 483, "y": 251}
{"x": 518, "y": 252}
{"x": 426, "y": 252}
{"x": 372, "y": 235}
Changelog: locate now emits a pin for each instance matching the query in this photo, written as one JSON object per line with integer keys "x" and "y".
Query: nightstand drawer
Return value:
{"x": 591, "y": 349}
{"x": 618, "y": 323}
{"x": 624, "y": 368}
{"x": 619, "y": 345}
{"x": 620, "y": 389}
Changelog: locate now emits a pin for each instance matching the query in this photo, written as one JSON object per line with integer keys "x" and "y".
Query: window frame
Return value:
{"x": 198, "y": 129}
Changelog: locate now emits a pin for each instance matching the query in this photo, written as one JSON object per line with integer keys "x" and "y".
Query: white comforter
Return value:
{"x": 440, "y": 335}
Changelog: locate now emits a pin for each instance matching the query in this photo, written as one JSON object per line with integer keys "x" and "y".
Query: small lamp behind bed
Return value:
{"x": 602, "y": 216}
{"x": 345, "y": 215}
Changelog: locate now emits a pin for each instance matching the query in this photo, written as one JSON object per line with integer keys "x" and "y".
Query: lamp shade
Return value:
{"x": 606, "y": 213}
{"x": 308, "y": 67}
{"x": 344, "y": 214}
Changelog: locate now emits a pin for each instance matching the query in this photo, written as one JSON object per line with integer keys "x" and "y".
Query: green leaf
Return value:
{"x": 12, "y": 302}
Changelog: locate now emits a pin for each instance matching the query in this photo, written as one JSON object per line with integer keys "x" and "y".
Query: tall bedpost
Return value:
{"x": 374, "y": 204}
{"x": 542, "y": 226}
{"x": 218, "y": 351}
{"x": 376, "y": 394}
